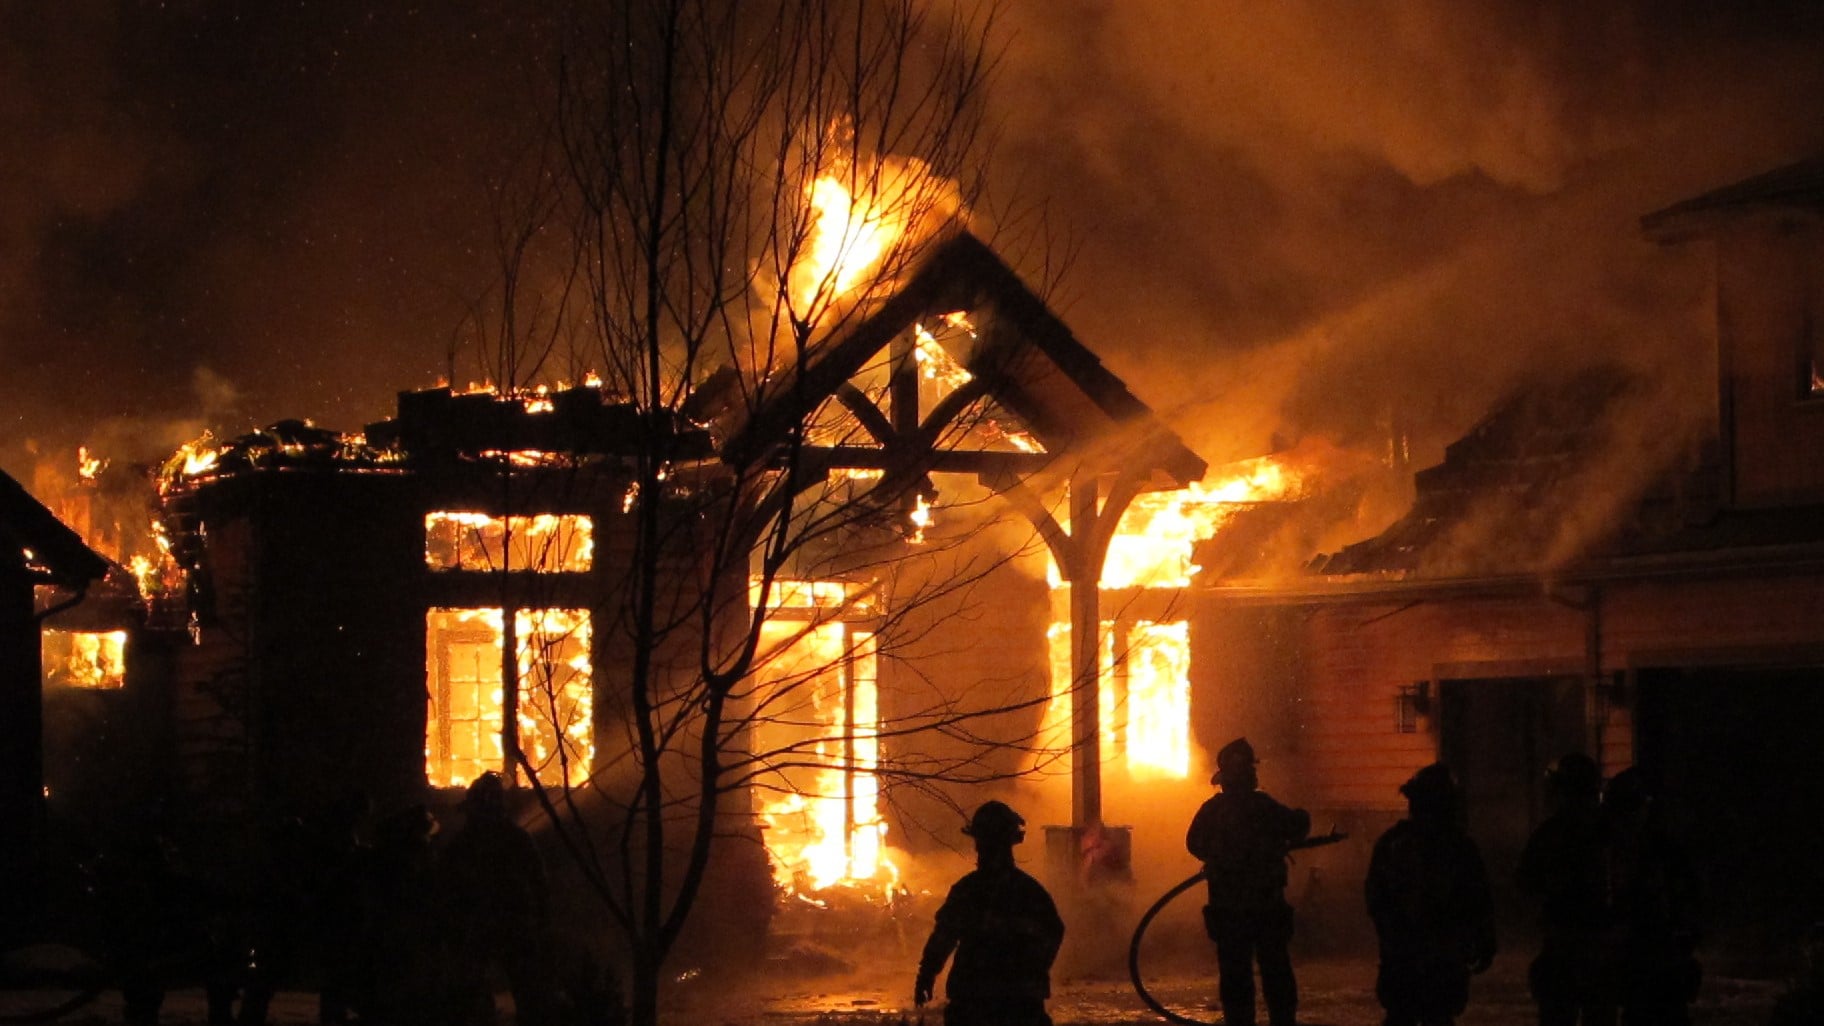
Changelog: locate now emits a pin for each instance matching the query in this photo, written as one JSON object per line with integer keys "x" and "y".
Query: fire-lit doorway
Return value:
{"x": 1500, "y": 736}
{"x": 816, "y": 725}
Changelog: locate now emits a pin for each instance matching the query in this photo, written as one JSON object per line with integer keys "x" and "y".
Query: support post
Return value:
{"x": 1085, "y": 658}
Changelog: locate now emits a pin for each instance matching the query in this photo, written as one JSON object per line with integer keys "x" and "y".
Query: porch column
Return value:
{"x": 1079, "y": 553}
{"x": 1084, "y": 573}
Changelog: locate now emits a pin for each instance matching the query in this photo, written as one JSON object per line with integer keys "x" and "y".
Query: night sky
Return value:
{"x": 1285, "y": 219}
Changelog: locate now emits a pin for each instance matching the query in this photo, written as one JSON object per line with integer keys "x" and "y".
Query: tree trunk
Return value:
{"x": 643, "y": 996}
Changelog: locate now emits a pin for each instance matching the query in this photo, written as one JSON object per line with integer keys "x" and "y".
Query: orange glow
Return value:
{"x": 818, "y": 678}
{"x": 554, "y": 703}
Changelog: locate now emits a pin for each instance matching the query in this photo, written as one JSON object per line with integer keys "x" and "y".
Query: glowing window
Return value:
{"x": 818, "y": 720}
{"x": 545, "y": 543}
{"x": 553, "y": 705}
{"x": 1144, "y": 695}
{"x": 84, "y": 659}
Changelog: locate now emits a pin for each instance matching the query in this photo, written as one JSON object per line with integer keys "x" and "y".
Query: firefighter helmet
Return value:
{"x": 1575, "y": 775}
{"x": 1626, "y": 792}
{"x": 1433, "y": 783}
{"x": 487, "y": 793}
{"x": 996, "y": 822}
{"x": 1236, "y": 757}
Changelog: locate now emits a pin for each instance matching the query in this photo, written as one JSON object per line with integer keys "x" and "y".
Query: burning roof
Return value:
{"x": 1029, "y": 360}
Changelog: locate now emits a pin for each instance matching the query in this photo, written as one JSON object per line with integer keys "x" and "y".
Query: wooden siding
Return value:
{"x": 1354, "y": 658}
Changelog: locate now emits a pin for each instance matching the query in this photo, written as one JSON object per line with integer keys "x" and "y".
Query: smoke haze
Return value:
{"x": 1286, "y": 220}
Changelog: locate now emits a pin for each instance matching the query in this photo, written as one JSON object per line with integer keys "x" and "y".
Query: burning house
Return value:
{"x": 406, "y": 608}
{"x": 403, "y": 609}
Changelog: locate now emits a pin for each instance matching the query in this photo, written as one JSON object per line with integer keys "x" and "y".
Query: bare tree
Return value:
{"x": 726, "y": 193}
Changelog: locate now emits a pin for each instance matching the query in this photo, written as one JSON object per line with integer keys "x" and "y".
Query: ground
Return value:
{"x": 1334, "y": 992}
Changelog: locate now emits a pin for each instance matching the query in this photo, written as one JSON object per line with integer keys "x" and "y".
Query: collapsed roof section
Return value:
{"x": 1021, "y": 358}
{"x": 1557, "y": 478}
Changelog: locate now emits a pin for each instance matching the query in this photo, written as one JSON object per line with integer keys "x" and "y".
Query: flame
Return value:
{"x": 554, "y": 705}
{"x": 851, "y": 236}
{"x": 824, "y": 828}
{"x": 934, "y": 360}
{"x": 920, "y": 518}
{"x": 198, "y": 456}
{"x": 1144, "y": 666}
{"x": 86, "y": 659}
{"x": 1143, "y": 695}
{"x": 1152, "y": 545}
{"x": 543, "y": 543}
{"x": 88, "y": 466}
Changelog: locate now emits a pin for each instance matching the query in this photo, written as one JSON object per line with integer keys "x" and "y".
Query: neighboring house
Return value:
{"x": 1583, "y": 572}
{"x": 36, "y": 552}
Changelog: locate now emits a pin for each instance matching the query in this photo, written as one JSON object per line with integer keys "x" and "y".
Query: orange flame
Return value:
{"x": 825, "y": 828}
{"x": 1152, "y": 545}
{"x": 1143, "y": 679}
{"x": 88, "y": 466}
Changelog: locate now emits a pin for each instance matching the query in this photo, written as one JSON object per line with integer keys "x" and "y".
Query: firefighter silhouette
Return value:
{"x": 1428, "y": 895}
{"x": 1242, "y": 835}
{"x": 1563, "y": 867}
{"x": 1652, "y": 890}
{"x": 1003, "y": 929}
{"x": 493, "y": 880}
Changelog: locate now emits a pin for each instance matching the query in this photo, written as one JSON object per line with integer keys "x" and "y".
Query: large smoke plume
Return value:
{"x": 1308, "y": 217}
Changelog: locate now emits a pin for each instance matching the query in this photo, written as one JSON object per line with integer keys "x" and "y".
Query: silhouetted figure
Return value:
{"x": 395, "y": 947}
{"x": 1653, "y": 895}
{"x": 162, "y": 928}
{"x": 336, "y": 859}
{"x": 1003, "y": 928}
{"x": 1803, "y": 1003}
{"x": 1242, "y": 836}
{"x": 278, "y": 909}
{"x": 1429, "y": 898}
{"x": 1564, "y": 867}
{"x": 493, "y": 880}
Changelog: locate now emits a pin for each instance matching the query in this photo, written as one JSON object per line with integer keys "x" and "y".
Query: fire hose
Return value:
{"x": 1133, "y": 948}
